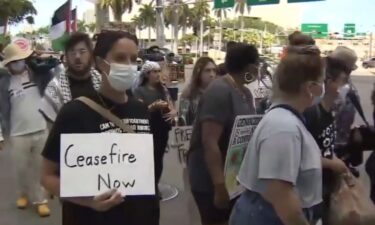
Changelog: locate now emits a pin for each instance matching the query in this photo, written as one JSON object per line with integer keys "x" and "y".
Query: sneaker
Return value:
{"x": 22, "y": 202}
{"x": 43, "y": 210}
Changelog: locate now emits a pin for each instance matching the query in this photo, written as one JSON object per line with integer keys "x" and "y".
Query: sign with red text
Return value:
{"x": 91, "y": 164}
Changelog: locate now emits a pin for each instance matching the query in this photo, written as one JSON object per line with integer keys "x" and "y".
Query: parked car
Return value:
{"x": 370, "y": 63}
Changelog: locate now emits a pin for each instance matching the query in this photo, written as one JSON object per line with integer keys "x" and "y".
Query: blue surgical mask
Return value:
{"x": 121, "y": 77}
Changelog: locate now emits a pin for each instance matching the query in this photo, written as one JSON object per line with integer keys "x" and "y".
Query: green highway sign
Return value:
{"x": 316, "y": 30}
{"x": 262, "y": 2}
{"x": 349, "y": 30}
{"x": 220, "y": 4}
{"x": 297, "y": 1}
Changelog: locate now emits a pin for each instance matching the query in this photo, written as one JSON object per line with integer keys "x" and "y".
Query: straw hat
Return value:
{"x": 346, "y": 55}
{"x": 13, "y": 52}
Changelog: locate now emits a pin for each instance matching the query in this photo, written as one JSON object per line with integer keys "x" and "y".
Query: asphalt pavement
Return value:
{"x": 179, "y": 210}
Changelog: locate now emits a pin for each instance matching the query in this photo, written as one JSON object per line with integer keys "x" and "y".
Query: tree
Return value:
{"x": 147, "y": 16}
{"x": 82, "y": 26}
{"x": 91, "y": 27}
{"x": 119, "y": 7}
{"x": 16, "y": 11}
{"x": 179, "y": 15}
{"x": 221, "y": 14}
{"x": 241, "y": 6}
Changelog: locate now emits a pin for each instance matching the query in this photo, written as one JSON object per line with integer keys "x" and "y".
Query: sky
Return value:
{"x": 334, "y": 12}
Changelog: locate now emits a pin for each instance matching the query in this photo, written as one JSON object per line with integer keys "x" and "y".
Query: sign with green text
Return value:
{"x": 220, "y": 4}
{"x": 315, "y": 30}
{"x": 349, "y": 30}
{"x": 262, "y": 2}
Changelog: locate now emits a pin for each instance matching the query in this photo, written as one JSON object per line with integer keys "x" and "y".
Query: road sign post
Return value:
{"x": 220, "y": 4}
{"x": 262, "y": 2}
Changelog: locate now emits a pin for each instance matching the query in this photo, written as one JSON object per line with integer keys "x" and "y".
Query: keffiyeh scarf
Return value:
{"x": 58, "y": 93}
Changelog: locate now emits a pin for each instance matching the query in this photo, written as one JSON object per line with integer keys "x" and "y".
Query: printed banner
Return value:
{"x": 94, "y": 163}
{"x": 243, "y": 129}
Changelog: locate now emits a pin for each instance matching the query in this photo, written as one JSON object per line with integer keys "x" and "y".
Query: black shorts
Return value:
{"x": 207, "y": 210}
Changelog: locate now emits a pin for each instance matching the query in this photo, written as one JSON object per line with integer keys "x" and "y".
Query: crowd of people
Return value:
{"x": 304, "y": 142}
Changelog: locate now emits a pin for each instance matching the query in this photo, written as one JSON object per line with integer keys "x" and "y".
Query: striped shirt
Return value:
{"x": 25, "y": 102}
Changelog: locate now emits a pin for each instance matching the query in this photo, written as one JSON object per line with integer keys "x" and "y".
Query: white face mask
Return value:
{"x": 318, "y": 99}
{"x": 121, "y": 77}
{"x": 18, "y": 67}
{"x": 343, "y": 91}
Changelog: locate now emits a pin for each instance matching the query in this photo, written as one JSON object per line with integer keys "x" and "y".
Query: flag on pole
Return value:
{"x": 74, "y": 20}
{"x": 61, "y": 26}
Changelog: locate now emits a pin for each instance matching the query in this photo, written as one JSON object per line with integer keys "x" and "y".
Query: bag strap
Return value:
{"x": 106, "y": 114}
{"x": 357, "y": 104}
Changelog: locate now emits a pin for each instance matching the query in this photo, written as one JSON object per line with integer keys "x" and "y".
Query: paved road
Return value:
{"x": 175, "y": 211}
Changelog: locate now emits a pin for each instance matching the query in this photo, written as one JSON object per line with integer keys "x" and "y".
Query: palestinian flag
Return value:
{"x": 74, "y": 20}
{"x": 61, "y": 26}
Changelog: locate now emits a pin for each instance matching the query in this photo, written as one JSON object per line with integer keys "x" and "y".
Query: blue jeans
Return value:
{"x": 251, "y": 208}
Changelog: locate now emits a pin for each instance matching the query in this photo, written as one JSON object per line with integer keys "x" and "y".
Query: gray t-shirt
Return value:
{"x": 221, "y": 103}
{"x": 283, "y": 149}
{"x": 25, "y": 100}
{"x": 149, "y": 96}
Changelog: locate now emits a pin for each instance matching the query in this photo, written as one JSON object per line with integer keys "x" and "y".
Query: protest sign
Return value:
{"x": 94, "y": 163}
{"x": 179, "y": 141}
{"x": 243, "y": 129}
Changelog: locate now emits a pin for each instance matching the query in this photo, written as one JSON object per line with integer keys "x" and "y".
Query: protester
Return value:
{"x": 320, "y": 122}
{"x": 203, "y": 73}
{"x": 281, "y": 170}
{"x": 224, "y": 100}
{"x": 23, "y": 127}
{"x": 221, "y": 70}
{"x": 115, "y": 55}
{"x": 79, "y": 78}
{"x": 345, "y": 112}
{"x": 154, "y": 94}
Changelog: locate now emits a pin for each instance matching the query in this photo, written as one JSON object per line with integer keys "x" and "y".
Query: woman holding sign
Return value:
{"x": 224, "y": 100}
{"x": 281, "y": 170}
{"x": 115, "y": 55}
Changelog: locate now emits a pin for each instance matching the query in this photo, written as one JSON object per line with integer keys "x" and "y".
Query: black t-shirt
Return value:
{"x": 76, "y": 117}
{"x": 321, "y": 125}
{"x": 80, "y": 88}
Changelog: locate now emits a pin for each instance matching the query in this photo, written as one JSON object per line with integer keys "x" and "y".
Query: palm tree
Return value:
{"x": 82, "y": 26}
{"x": 91, "y": 27}
{"x": 147, "y": 15}
{"x": 241, "y": 6}
{"x": 119, "y": 7}
{"x": 221, "y": 14}
{"x": 16, "y": 11}
{"x": 201, "y": 11}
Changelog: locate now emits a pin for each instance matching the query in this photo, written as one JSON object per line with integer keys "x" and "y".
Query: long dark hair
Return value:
{"x": 159, "y": 86}
{"x": 193, "y": 89}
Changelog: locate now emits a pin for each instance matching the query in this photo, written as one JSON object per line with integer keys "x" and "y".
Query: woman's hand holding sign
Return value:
{"x": 102, "y": 202}
{"x": 106, "y": 201}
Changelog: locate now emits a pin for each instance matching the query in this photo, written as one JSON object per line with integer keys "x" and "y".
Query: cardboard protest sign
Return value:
{"x": 94, "y": 163}
{"x": 243, "y": 129}
{"x": 179, "y": 140}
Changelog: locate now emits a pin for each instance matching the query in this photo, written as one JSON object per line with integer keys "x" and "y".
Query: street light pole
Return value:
{"x": 201, "y": 37}
{"x": 370, "y": 50}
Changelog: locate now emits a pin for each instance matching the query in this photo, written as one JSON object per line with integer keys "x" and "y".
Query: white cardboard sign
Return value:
{"x": 94, "y": 163}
